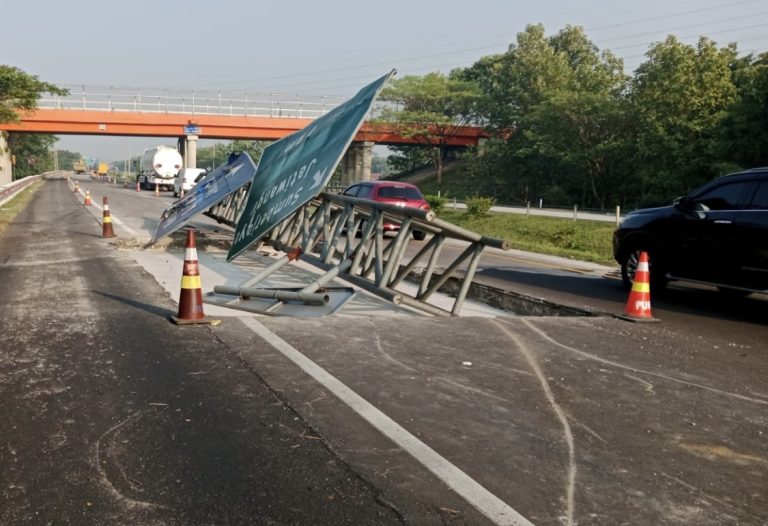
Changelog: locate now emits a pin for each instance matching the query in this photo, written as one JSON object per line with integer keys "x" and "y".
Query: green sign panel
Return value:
{"x": 296, "y": 168}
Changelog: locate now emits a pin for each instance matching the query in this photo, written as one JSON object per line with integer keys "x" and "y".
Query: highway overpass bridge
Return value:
{"x": 188, "y": 115}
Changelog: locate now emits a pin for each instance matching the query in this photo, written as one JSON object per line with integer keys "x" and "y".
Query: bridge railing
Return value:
{"x": 191, "y": 102}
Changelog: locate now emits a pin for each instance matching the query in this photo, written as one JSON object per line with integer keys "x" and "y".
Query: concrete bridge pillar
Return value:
{"x": 190, "y": 159}
{"x": 187, "y": 147}
{"x": 6, "y": 169}
{"x": 356, "y": 164}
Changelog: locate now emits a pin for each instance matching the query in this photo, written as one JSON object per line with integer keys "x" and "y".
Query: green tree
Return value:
{"x": 33, "y": 153}
{"x": 67, "y": 159}
{"x": 406, "y": 159}
{"x": 681, "y": 95}
{"x": 587, "y": 135}
{"x": 562, "y": 107}
{"x": 745, "y": 132}
{"x": 379, "y": 165}
{"x": 20, "y": 91}
{"x": 213, "y": 156}
{"x": 430, "y": 110}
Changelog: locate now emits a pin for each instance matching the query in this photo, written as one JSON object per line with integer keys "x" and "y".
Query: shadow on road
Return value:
{"x": 609, "y": 295}
{"x": 152, "y": 309}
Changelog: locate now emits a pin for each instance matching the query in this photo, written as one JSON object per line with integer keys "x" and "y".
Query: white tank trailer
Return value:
{"x": 158, "y": 166}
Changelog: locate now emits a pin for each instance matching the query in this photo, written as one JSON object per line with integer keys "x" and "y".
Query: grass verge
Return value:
{"x": 10, "y": 209}
{"x": 582, "y": 240}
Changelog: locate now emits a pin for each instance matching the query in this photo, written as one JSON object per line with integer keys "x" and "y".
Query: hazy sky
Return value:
{"x": 328, "y": 47}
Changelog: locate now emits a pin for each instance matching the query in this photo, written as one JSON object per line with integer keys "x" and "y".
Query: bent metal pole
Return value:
{"x": 280, "y": 295}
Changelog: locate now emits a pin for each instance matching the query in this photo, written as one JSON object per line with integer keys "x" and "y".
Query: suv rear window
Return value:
{"x": 760, "y": 201}
{"x": 399, "y": 192}
{"x": 724, "y": 197}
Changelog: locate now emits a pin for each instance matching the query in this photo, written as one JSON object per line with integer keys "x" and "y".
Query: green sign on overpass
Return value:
{"x": 295, "y": 169}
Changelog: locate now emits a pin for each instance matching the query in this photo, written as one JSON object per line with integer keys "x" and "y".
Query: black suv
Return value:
{"x": 717, "y": 234}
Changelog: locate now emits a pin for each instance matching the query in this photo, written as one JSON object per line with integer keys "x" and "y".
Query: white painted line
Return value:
{"x": 483, "y": 500}
{"x": 123, "y": 226}
{"x": 115, "y": 220}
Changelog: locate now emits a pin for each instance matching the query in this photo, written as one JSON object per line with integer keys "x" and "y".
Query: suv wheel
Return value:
{"x": 630, "y": 261}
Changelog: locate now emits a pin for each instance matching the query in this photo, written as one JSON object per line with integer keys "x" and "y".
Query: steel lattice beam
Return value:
{"x": 345, "y": 235}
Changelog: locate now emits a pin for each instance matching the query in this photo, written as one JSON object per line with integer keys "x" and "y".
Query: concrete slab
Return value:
{"x": 166, "y": 266}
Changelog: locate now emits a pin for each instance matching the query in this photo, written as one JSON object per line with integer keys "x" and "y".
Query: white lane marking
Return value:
{"x": 483, "y": 500}
{"x": 131, "y": 232}
{"x": 115, "y": 220}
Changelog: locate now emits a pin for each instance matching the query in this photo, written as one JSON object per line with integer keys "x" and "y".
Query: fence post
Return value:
{"x": 618, "y": 215}
{"x": 527, "y": 208}
{"x": 575, "y": 211}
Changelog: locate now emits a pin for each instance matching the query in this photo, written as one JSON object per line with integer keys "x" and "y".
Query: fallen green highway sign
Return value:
{"x": 223, "y": 181}
{"x": 296, "y": 168}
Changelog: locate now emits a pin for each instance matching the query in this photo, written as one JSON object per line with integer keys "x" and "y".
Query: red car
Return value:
{"x": 393, "y": 192}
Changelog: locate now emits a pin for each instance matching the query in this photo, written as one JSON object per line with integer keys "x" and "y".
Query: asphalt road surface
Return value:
{"x": 112, "y": 415}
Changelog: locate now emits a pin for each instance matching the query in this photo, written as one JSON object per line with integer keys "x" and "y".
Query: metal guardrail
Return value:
{"x": 190, "y": 102}
{"x": 325, "y": 232}
{"x": 10, "y": 191}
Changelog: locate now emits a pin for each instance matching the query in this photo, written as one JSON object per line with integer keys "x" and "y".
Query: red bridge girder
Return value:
{"x": 89, "y": 122}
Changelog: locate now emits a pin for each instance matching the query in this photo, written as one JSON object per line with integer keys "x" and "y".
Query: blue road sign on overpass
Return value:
{"x": 295, "y": 169}
{"x": 225, "y": 179}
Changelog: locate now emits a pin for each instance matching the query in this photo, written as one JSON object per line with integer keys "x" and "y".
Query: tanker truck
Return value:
{"x": 158, "y": 166}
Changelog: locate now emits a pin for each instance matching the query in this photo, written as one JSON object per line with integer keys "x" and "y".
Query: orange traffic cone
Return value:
{"x": 191, "y": 296}
{"x": 157, "y": 190}
{"x": 87, "y": 201}
{"x": 138, "y": 186}
{"x": 639, "y": 303}
{"x": 106, "y": 223}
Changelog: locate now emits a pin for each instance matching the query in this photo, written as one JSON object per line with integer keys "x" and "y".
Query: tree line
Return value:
{"x": 566, "y": 123}
{"x": 569, "y": 126}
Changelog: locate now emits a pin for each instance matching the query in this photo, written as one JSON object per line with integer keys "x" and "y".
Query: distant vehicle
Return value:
{"x": 393, "y": 192}
{"x": 80, "y": 167}
{"x": 158, "y": 167}
{"x": 103, "y": 169}
{"x": 717, "y": 234}
{"x": 186, "y": 179}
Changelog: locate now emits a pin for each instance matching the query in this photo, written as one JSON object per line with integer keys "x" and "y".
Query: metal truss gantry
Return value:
{"x": 345, "y": 237}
